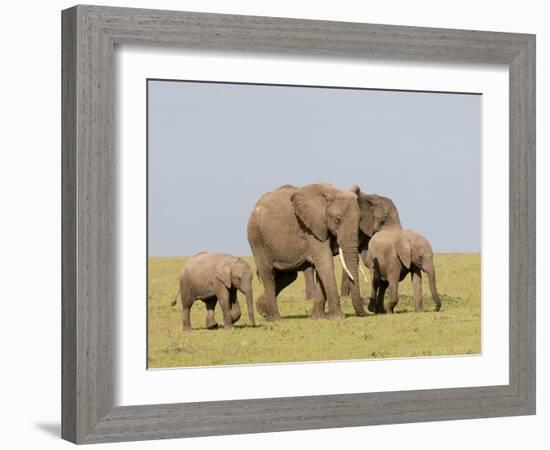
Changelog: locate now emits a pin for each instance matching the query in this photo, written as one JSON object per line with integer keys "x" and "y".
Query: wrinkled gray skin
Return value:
{"x": 391, "y": 256}
{"x": 213, "y": 277}
{"x": 376, "y": 211}
{"x": 292, "y": 229}
{"x": 379, "y": 214}
{"x": 309, "y": 278}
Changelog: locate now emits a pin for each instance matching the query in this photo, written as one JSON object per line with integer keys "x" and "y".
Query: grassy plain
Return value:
{"x": 455, "y": 330}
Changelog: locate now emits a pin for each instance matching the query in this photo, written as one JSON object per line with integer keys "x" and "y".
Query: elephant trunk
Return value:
{"x": 344, "y": 265}
{"x": 431, "y": 280}
{"x": 351, "y": 258}
{"x": 250, "y": 306}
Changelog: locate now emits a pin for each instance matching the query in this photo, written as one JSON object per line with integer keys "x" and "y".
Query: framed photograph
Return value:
{"x": 278, "y": 224}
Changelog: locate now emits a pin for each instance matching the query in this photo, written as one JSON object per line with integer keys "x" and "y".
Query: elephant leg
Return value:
{"x": 324, "y": 265}
{"x": 310, "y": 283}
{"x": 235, "y": 307}
{"x": 274, "y": 282}
{"x": 373, "y": 295}
{"x": 378, "y": 290}
{"x": 186, "y": 303}
{"x": 186, "y": 318}
{"x": 319, "y": 301}
{"x": 223, "y": 298}
{"x": 416, "y": 276}
{"x": 266, "y": 305}
{"x": 345, "y": 287}
{"x": 211, "y": 323}
{"x": 393, "y": 285}
{"x": 383, "y": 285}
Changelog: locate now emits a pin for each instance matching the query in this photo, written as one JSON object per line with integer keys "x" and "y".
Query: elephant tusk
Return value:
{"x": 363, "y": 272}
{"x": 341, "y": 253}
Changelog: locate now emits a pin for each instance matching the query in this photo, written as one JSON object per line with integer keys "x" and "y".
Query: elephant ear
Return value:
{"x": 404, "y": 251}
{"x": 366, "y": 223}
{"x": 310, "y": 206}
{"x": 224, "y": 274}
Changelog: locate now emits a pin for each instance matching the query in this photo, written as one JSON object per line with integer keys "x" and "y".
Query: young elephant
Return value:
{"x": 392, "y": 254}
{"x": 213, "y": 277}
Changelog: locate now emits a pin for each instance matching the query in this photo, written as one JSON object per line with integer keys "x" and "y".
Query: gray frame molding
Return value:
{"x": 89, "y": 36}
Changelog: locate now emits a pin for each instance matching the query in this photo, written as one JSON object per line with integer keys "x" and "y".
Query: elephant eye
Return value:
{"x": 337, "y": 219}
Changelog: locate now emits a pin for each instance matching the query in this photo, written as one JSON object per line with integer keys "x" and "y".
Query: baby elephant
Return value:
{"x": 392, "y": 254}
{"x": 213, "y": 277}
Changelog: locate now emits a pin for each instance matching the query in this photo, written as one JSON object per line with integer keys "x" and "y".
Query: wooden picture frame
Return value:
{"x": 89, "y": 37}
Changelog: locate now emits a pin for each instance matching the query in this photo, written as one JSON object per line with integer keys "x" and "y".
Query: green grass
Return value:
{"x": 455, "y": 330}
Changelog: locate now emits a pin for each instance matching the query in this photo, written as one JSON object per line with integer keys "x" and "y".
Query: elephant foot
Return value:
{"x": 268, "y": 316}
{"x": 228, "y": 326}
{"x": 437, "y": 307}
{"x": 272, "y": 317}
{"x": 335, "y": 313}
{"x": 358, "y": 308}
{"x": 261, "y": 308}
{"x": 266, "y": 311}
{"x": 212, "y": 326}
{"x": 316, "y": 315}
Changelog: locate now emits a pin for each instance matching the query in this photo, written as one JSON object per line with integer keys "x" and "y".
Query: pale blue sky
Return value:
{"x": 214, "y": 149}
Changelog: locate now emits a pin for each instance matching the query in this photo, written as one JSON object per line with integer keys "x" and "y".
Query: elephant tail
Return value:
{"x": 175, "y": 298}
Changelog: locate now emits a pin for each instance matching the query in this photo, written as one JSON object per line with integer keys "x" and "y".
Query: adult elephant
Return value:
{"x": 292, "y": 229}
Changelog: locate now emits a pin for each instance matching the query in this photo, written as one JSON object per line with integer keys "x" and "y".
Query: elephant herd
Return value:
{"x": 300, "y": 229}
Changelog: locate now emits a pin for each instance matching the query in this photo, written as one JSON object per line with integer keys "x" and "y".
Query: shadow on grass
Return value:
{"x": 308, "y": 316}
{"x": 369, "y": 314}
{"x": 221, "y": 328}
{"x": 297, "y": 316}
